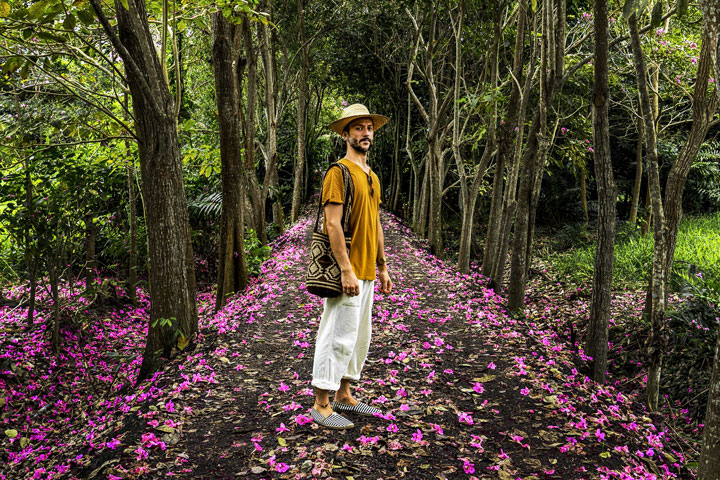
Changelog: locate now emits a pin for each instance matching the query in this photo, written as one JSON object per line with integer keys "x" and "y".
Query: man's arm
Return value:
{"x": 385, "y": 282}
{"x": 333, "y": 216}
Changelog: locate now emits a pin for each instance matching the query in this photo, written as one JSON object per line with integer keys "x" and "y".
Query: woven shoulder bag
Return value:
{"x": 323, "y": 274}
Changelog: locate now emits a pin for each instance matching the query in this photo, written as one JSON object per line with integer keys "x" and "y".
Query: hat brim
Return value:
{"x": 378, "y": 121}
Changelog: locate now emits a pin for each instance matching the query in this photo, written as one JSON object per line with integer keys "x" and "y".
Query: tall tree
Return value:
{"x": 470, "y": 182}
{"x": 709, "y": 468}
{"x": 552, "y": 61}
{"x": 597, "y": 341}
{"x": 301, "y": 113}
{"x": 657, "y": 311}
{"x": 173, "y": 314}
{"x": 430, "y": 62}
{"x": 232, "y": 272}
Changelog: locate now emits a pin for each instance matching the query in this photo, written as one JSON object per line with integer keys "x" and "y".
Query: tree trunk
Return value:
{"x": 271, "y": 181}
{"x": 597, "y": 340}
{"x": 509, "y": 206}
{"x": 31, "y": 253}
{"x": 704, "y": 108}
{"x": 583, "y": 196}
{"x": 638, "y": 175}
{"x": 90, "y": 263}
{"x": 172, "y": 279}
{"x": 253, "y": 187}
{"x": 132, "y": 261}
{"x": 709, "y": 468}
{"x": 533, "y": 160}
{"x": 656, "y": 342}
{"x": 54, "y": 292}
{"x": 498, "y": 207}
{"x": 232, "y": 272}
{"x": 301, "y": 115}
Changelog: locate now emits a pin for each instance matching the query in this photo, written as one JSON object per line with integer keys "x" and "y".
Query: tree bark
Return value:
{"x": 172, "y": 279}
{"x": 301, "y": 115}
{"x": 90, "y": 263}
{"x": 253, "y": 187}
{"x": 271, "y": 180}
{"x": 704, "y": 107}
{"x": 656, "y": 341}
{"x": 709, "y": 468}
{"x": 499, "y": 206}
{"x": 232, "y": 271}
{"x": 638, "y": 175}
{"x": 132, "y": 220}
{"x": 597, "y": 340}
{"x": 54, "y": 292}
{"x": 470, "y": 186}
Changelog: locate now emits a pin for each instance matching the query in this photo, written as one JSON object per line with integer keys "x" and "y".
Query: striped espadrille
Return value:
{"x": 332, "y": 421}
{"x": 361, "y": 408}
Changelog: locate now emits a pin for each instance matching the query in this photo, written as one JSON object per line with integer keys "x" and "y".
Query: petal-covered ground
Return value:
{"x": 467, "y": 391}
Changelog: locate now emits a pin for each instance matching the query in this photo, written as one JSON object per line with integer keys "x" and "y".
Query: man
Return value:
{"x": 343, "y": 336}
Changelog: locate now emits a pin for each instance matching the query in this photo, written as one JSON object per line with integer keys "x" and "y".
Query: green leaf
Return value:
{"x": 4, "y": 9}
{"x": 37, "y": 9}
{"x": 657, "y": 13}
{"x": 605, "y": 454}
{"x": 629, "y": 8}
{"x": 125, "y": 4}
{"x": 533, "y": 5}
{"x": 87, "y": 16}
{"x": 11, "y": 433}
{"x": 282, "y": 442}
{"x": 70, "y": 22}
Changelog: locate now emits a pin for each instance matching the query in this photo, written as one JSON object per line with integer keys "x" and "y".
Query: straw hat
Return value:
{"x": 354, "y": 111}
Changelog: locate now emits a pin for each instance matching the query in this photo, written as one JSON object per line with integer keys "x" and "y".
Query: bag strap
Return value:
{"x": 349, "y": 188}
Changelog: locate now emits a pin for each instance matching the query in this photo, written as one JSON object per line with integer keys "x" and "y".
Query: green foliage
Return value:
{"x": 255, "y": 252}
{"x": 698, "y": 244}
{"x": 694, "y": 326}
{"x": 703, "y": 184}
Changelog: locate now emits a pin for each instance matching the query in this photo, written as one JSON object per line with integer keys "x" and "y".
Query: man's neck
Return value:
{"x": 356, "y": 157}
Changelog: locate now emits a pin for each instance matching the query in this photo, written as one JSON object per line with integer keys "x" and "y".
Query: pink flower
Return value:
{"x": 401, "y": 393}
{"x": 491, "y": 366}
{"x": 283, "y": 387}
{"x": 478, "y": 387}
{"x": 282, "y": 428}
{"x": 525, "y": 391}
{"x": 282, "y": 467}
{"x": 464, "y": 417}
{"x": 468, "y": 467}
{"x": 417, "y": 436}
{"x": 393, "y": 428}
{"x": 302, "y": 419}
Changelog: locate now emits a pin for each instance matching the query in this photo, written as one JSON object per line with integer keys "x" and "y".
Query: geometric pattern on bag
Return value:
{"x": 323, "y": 277}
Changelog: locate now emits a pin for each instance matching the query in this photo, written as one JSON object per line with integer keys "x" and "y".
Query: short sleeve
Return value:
{"x": 333, "y": 187}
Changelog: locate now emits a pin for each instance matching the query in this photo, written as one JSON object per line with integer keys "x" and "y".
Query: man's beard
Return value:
{"x": 358, "y": 147}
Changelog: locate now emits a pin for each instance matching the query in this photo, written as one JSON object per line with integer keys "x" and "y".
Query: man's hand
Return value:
{"x": 385, "y": 282}
{"x": 350, "y": 284}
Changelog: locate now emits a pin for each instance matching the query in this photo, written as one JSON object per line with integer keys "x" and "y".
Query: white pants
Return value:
{"x": 343, "y": 338}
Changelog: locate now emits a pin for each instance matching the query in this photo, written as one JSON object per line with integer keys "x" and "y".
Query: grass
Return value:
{"x": 698, "y": 245}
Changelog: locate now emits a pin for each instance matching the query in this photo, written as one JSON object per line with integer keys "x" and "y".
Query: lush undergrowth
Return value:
{"x": 698, "y": 247}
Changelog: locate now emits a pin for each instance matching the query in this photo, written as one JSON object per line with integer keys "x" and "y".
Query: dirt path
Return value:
{"x": 468, "y": 391}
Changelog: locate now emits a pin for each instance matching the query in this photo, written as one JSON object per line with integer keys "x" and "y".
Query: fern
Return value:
{"x": 209, "y": 205}
{"x": 703, "y": 187}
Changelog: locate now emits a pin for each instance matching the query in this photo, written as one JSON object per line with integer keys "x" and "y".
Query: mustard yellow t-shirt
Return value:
{"x": 364, "y": 217}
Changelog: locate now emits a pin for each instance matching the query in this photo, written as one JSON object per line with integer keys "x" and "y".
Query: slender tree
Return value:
{"x": 232, "y": 272}
{"x": 301, "y": 113}
{"x": 597, "y": 341}
{"x": 173, "y": 315}
{"x": 656, "y": 315}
